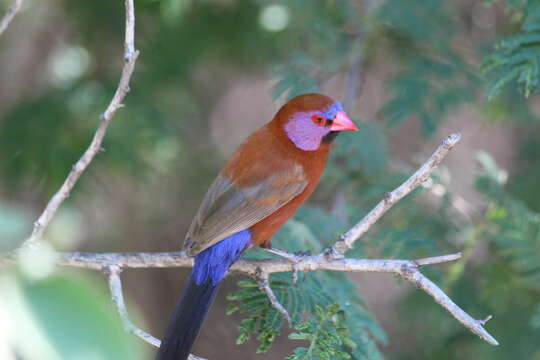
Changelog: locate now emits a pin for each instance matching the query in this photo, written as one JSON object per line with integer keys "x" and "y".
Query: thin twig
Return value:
{"x": 421, "y": 175}
{"x": 112, "y": 270}
{"x": 112, "y": 263}
{"x": 10, "y": 14}
{"x": 411, "y": 273}
{"x": 485, "y": 320}
{"x": 284, "y": 254}
{"x": 407, "y": 269}
{"x": 115, "y": 285}
{"x": 331, "y": 259}
{"x": 264, "y": 285}
{"x": 130, "y": 57}
{"x": 251, "y": 267}
{"x": 438, "y": 259}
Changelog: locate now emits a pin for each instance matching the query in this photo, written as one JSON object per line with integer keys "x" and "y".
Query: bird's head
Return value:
{"x": 311, "y": 119}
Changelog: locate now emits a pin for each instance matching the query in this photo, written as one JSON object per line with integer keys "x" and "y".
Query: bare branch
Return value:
{"x": 130, "y": 57}
{"x": 264, "y": 285}
{"x": 294, "y": 258}
{"x": 437, "y": 259}
{"x": 251, "y": 267}
{"x": 421, "y": 175}
{"x": 407, "y": 269}
{"x": 484, "y": 321}
{"x": 411, "y": 273}
{"x": 331, "y": 259}
{"x": 10, "y": 14}
{"x": 115, "y": 285}
{"x": 112, "y": 270}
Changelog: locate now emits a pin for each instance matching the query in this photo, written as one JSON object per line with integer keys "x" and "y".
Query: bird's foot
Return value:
{"x": 295, "y": 258}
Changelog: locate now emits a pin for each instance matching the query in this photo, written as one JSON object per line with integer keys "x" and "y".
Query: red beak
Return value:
{"x": 342, "y": 122}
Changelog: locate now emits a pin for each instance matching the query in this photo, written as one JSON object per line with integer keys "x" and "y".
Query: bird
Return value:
{"x": 269, "y": 176}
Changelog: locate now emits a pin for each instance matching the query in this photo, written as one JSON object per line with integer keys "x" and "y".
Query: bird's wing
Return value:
{"x": 227, "y": 209}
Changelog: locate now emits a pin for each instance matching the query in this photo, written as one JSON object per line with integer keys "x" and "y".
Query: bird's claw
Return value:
{"x": 295, "y": 258}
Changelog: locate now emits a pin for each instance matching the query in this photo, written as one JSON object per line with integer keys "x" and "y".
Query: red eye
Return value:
{"x": 318, "y": 120}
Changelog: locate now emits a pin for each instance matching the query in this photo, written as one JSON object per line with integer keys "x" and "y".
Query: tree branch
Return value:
{"x": 421, "y": 175}
{"x": 10, "y": 14}
{"x": 407, "y": 269}
{"x": 115, "y": 285}
{"x": 130, "y": 57}
{"x": 331, "y": 259}
{"x": 264, "y": 285}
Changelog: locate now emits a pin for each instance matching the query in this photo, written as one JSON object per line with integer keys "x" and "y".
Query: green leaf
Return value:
{"x": 327, "y": 335}
{"x": 63, "y": 318}
{"x": 515, "y": 59}
{"x": 427, "y": 89}
{"x": 518, "y": 228}
{"x": 315, "y": 294}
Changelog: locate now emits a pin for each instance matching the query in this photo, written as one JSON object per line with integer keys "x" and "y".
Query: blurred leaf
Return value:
{"x": 64, "y": 318}
{"x": 421, "y": 20}
{"x": 491, "y": 169}
{"x": 323, "y": 54}
{"x": 428, "y": 88}
{"x": 516, "y": 59}
{"x": 15, "y": 223}
{"x": 517, "y": 232}
{"x": 365, "y": 152}
{"x": 172, "y": 10}
{"x": 535, "y": 320}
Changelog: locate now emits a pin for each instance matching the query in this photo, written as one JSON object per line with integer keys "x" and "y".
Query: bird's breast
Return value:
{"x": 263, "y": 231}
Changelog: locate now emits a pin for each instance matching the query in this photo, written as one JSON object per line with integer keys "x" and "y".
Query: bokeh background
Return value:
{"x": 212, "y": 71}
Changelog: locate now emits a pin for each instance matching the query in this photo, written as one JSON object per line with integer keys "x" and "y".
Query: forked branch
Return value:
{"x": 115, "y": 285}
{"x": 420, "y": 176}
{"x": 130, "y": 57}
{"x": 332, "y": 259}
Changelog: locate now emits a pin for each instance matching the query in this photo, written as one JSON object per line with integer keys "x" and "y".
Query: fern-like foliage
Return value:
{"x": 313, "y": 290}
{"x": 263, "y": 319}
{"x": 517, "y": 228}
{"x": 516, "y": 59}
{"x": 427, "y": 89}
{"x": 311, "y": 293}
{"x": 434, "y": 78}
{"x": 327, "y": 51}
{"x": 327, "y": 334}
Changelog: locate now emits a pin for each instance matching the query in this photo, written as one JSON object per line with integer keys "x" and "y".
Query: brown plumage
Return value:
{"x": 283, "y": 154}
{"x": 268, "y": 151}
{"x": 262, "y": 185}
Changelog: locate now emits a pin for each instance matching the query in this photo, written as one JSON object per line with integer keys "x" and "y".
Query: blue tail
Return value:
{"x": 187, "y": 320}
{"x": 211, "y": 265}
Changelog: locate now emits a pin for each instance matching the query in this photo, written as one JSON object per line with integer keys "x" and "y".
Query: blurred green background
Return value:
{"x": 212, "y": 71}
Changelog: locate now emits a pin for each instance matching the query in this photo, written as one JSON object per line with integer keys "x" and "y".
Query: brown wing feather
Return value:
{"x": 227, "y": 209}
